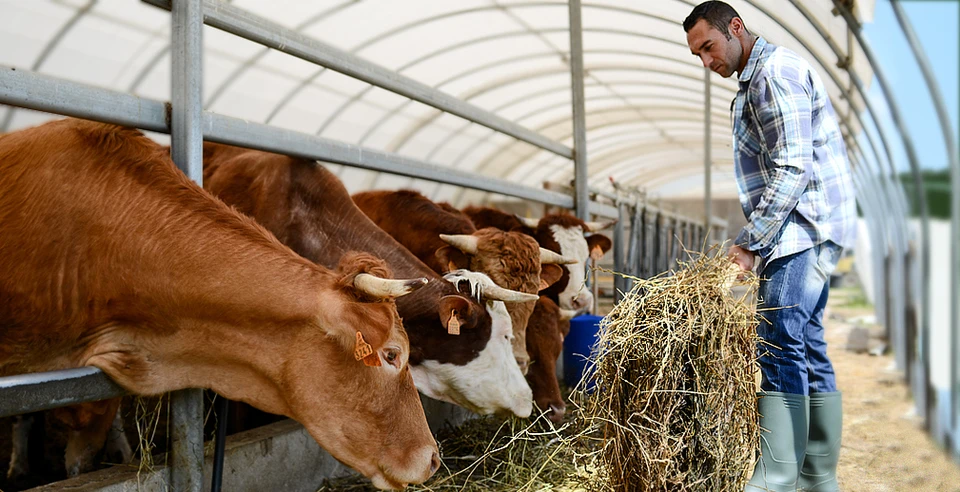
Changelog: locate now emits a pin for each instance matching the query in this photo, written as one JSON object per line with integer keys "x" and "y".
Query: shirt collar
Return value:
{"x": 753, "y": 61}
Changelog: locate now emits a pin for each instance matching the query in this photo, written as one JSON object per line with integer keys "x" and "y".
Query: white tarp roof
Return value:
{"x": 644, "y": 90}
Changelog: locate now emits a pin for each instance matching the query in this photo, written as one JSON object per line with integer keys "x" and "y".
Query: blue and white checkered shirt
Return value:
{"x": 792, "y": 172}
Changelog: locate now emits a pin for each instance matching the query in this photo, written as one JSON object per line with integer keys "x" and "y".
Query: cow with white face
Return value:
{"x": 485, "y": 384}
{"x": 561, "y": 233}
{"x": 460, "y": 345}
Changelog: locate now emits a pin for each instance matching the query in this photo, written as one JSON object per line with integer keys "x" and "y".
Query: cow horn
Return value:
{"x": 497, "y": 293}
{"x": 548, "y": 257}
{"x": 385, "y": 287}
{"x": 599, "y": 226}
{"x": 531, "y": 223}
{"x": 566, "y": 314}
{"x": 464, "y": 242}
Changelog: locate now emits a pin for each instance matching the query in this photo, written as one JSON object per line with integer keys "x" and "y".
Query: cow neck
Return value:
{"x": 325, "y": 224}
{"x": 225, "y": 305}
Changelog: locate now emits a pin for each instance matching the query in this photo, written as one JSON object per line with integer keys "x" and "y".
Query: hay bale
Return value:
{"x": 674, "y": 408}
{"x": 675, "y": 374}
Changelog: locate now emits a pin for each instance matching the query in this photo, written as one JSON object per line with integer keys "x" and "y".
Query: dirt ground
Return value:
{"x": 884, "y": 446}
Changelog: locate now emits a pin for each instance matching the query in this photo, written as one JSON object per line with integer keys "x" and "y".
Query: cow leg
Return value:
{"x": 88, "y": 433}
{"x": 117, "y": 448}
{"x": 19, "y": 459}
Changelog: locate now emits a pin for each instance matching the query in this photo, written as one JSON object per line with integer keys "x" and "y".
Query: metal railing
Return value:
{"x": 188, "y": 125}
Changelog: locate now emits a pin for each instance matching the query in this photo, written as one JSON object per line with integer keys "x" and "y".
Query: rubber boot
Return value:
{"x": 819, "y": 471}
{"x": 783, "y": 440}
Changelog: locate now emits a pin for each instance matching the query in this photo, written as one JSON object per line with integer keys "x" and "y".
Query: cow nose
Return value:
{"x": 434, "y": 463}
{"x": 556, "y": 413}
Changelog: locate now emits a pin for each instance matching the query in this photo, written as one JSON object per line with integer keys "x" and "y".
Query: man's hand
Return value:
{"x": 743, "y": 258}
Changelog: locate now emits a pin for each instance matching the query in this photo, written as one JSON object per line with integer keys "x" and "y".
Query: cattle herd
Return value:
{"x": 274, "y": 287}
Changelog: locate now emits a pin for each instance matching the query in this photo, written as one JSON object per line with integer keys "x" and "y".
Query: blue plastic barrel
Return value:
{"x": 577, "y": 347}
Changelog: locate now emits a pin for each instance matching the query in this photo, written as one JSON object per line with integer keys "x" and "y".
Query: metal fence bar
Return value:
{"x": 244, "y": 24}
{"x": 27, "y": 393}
{"x": 186, "y": 149}
{"x": 707, "y": 147}
{"x": 45, "y": 93}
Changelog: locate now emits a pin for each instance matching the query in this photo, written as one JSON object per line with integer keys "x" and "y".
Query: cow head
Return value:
{"x": 512, "y": 260}
{"x": 544, "y": 343}
{"x": 565, "y": 234}
{"x": 483, "y": 377}
{"x": 350, "y": 384}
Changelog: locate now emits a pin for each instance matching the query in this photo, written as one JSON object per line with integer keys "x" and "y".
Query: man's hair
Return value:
{"x": 718, "y": 14}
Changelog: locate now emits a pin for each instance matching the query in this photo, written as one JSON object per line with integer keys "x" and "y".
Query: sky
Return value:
{"x": 937, "y": 24}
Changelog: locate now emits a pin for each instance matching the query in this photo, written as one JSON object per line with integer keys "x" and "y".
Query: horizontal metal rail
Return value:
{"x": 45, "y": 390}
{"x": 45, "y": 93}
{"x": 272, "y": 35}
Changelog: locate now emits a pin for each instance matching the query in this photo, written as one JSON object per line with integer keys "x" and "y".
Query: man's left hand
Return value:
{"x": 743, "y": 258}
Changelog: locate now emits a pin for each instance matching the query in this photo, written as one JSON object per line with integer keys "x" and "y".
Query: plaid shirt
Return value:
{"x": 791, "y": 166}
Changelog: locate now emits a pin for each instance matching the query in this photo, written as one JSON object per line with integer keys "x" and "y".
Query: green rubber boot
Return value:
{"x": 819, "y": 471}
{"x": 783, "y": 440}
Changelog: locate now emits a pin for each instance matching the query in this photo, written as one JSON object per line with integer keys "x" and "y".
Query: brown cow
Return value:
{"x": 309, "y": 209}
{"x": 112, "y": 258}
{"x": 544, "y": 343}
{"x": 447, "y": 240}
{"x": 562, "y": 233}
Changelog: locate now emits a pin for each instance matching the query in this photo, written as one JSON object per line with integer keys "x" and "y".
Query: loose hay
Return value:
{"x": 675, "y": 374}
{"x": 674, "y": 408}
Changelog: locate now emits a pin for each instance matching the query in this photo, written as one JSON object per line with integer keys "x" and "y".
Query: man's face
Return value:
{"x": 717, "y": 53}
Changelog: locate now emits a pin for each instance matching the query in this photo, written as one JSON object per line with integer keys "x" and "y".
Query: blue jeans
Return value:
{"x": 793, "y": 293}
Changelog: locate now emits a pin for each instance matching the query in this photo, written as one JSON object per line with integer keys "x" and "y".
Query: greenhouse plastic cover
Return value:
{"x": 644, "y": 90}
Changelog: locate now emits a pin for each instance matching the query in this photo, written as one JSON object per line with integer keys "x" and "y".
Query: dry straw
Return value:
{"x": 674, "y": 406}
{"x": 676, "y": 381}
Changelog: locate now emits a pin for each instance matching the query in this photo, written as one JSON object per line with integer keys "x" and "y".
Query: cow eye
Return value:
{"x": 391, "y": 357}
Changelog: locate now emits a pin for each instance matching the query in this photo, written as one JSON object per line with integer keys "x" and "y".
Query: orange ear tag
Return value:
{"x": 363, "y": 349}
{"x": 453, "y": 326}
{"x": 596, "y": 253}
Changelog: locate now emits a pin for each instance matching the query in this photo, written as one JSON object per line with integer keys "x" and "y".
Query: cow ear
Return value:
{"x": 452, "y": 259}
{"x": 455, "y": 312}
{"x": 599, "y": 245}
{"x": 549, "y": 275}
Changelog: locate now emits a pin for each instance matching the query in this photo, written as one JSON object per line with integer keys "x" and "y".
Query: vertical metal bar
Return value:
{"x": 707, "y": 147}
{"x": 619, "y": 252}
{"x": 221, "y": 443}
{"x": 187, "y": 151}
{"x": 954, "y": 160}
{"x": 919, "y": 199}
{"x": 580, "y": 183}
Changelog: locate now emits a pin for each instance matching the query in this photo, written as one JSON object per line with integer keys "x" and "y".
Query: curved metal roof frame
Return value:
{"x": 663, "y": 17}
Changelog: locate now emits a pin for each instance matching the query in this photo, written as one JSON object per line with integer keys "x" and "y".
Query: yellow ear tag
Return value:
{"x": 363, "y": 349}
{"x": 453, "y": 326}
{"x": 596, "y": 253}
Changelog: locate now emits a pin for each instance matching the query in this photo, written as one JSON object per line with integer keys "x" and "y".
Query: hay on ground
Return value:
{"x": 674, "y": 408}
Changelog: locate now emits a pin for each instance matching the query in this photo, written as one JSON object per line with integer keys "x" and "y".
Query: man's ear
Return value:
{"x": 452, "y": 259}
{"x": 549, "y": 275}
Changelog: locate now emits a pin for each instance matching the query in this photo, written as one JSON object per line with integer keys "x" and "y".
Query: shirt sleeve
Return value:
{"x": 784, "y": 111}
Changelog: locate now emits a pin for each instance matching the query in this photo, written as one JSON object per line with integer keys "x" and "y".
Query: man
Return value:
{"x": 797, "y": 194}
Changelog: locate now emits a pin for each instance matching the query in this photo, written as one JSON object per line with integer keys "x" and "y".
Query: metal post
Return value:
{"x": 619, "y": 253}
{"x": 580, "y": 183}
{"x": 954, "y": 160}
{"x": 186, "y": 146}
{"x": 919, "y": 199}
{"x": 707, "y": 181}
